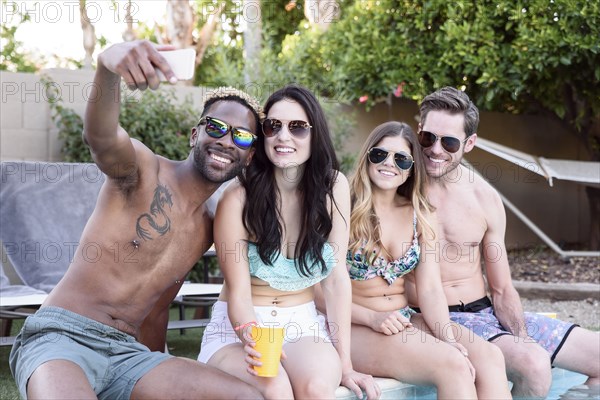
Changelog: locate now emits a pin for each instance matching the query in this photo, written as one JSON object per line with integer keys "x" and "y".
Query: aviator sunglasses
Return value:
{"x": 449, "y": 143}
{"x": 272, "y": 126}
{"x": 216, "y": 128}
{"x": 403, "y": 161}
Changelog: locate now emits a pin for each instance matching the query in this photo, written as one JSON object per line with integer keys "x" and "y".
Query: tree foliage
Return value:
{"x": 156, "y": 118}
{"x": 13, "y": 57}
{"x": 279, "y": 19}
{"x": 509, "y": 55}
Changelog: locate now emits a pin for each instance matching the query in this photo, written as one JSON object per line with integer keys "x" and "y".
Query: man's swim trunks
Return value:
{"x": 113, "y": 361}
{"x": 549, "y": 333}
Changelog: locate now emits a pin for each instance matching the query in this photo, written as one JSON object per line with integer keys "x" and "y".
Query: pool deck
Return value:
{"x": 392, "y": 389}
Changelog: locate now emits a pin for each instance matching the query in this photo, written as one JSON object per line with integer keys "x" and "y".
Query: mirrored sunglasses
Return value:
{"x": 403, "y": 161}
{"x": 449, "y": 143}
{"x": 272, "y": 126}
{"x": 216, "y": 128}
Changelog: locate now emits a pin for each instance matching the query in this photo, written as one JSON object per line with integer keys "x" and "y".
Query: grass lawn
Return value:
{"x": 187, "y": 345}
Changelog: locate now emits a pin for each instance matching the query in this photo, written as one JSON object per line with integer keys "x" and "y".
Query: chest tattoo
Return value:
{"x": 156, "y": 221}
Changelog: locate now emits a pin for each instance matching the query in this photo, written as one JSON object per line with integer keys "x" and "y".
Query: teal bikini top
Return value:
{"x": 283, "y": 275}
{"x": 361, "y": 270}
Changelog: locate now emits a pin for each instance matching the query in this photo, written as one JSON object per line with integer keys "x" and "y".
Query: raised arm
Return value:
{"x": 111, "y": 147}
{"x": 337, "y": 292}
{"x": 507, "y": 303}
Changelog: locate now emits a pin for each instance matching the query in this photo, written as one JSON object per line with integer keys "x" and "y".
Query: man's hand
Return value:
{"x": 389, "y": 323}
{"x": 355, "y": 381}
{"x": 136, "y": 62}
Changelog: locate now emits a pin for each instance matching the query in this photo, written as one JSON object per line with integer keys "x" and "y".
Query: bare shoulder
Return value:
{"x": 490, "y": 203}
{"x": 474, "y": 187}
{"x": 341, "y": 184}
{"x": 233, "y": 196}
{"x": 341, "y": 190}
{"x": 485, "y": 193}
{"x": 341, "y": 196}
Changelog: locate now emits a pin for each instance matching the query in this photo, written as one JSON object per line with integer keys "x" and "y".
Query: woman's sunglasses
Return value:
{"x": 216, "y": 128}
{"x": 403, "y": 161}
{"x": 272, "y": 126}
{"x": 449, "y": 143}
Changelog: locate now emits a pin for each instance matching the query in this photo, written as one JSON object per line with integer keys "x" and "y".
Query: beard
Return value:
{"x": 201, "y": 162}
{"x": 449, "y": 172}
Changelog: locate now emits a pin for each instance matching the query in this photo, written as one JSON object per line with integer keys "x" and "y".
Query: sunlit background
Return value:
{"x": 53, "y": 35}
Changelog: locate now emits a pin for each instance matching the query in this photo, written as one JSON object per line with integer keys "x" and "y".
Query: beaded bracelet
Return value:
{"x": 247, "y": 324}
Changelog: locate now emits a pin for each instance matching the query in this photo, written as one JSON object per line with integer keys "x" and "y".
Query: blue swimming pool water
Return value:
{"x": 565, "y": 386}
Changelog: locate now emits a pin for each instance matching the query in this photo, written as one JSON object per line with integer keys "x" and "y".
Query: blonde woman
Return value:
{"x": 392, "y": 233}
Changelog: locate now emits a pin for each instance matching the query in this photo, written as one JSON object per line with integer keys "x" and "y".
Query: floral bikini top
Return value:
{"x": 361, "y": 270}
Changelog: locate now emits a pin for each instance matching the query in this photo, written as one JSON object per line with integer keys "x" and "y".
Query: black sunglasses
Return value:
{"x": 449, "y": 143}
{"x": 272, "y": 126}
{"x": 216, "y": 128}
{"x": 377, "y": 155}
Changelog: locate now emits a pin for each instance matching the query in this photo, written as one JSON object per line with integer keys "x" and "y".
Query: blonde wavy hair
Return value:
{"x": 364, "y": 223}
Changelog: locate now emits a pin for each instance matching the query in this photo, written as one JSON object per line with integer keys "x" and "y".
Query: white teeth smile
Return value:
{"x": 387, "y": 173}
{"x": 220, "y": 159}
{"x": 284, "y": 149}
{"x": 435, "y": 160}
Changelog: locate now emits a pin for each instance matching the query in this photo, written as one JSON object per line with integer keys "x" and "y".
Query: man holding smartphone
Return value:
{"x": 84, "y": 340}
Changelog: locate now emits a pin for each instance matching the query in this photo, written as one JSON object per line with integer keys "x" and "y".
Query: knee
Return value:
{"x": 248, "y": 392}
{"x": 455, "y": 364}
{"x": 534, "y": 362}
{"x": 531, "y": 373}
{"x": 315, "y": 388}
{"x": 277, "y": 389}
{"x": 493, "y": 356}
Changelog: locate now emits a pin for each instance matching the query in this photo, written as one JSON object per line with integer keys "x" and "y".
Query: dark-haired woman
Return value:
{"x": 278, "y": 232}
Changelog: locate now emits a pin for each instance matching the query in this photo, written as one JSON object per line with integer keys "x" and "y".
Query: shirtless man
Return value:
{"x": 82, "y": 344}
{"x": 472, "y": 224}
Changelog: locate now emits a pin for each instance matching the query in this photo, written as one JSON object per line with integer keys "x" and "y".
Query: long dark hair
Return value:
{"x": 262, "y": 210}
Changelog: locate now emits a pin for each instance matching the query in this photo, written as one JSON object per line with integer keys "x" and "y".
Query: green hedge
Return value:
{"x": 156, "y": 118}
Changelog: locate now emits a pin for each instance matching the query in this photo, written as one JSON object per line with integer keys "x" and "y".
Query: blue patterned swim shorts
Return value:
{"x": 548, "y": 332}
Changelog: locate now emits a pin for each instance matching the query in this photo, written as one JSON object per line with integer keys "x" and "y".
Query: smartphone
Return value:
{"x": 182, "y": 62}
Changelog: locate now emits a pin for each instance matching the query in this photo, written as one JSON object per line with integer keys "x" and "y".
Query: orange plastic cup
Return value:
{"x": 269, "y": 342}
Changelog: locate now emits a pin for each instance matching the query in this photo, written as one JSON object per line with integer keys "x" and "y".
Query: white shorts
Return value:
{"x": 298, "y": 322}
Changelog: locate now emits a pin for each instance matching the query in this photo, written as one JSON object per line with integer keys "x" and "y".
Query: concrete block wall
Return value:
{"x": 27, "y": 131}
{"x": 23, "y": 118}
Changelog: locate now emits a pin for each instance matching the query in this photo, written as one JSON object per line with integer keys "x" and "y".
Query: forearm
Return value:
{"x": 435, "y": 313}
{"x": 242, "y": 317}
{"x": 362, "y": 315}
{"x": 339, "y": 317}
{"x": 101, "y": 120}
{"x": 509, "y": 311}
